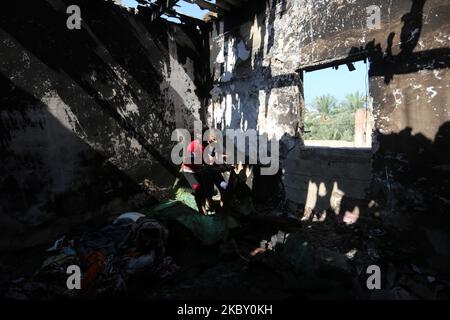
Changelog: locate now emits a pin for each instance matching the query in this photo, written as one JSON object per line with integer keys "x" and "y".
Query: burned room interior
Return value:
{"x": 88, "y": 115}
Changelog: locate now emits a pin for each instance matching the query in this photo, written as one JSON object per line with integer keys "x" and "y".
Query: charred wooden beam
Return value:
{"x": 161, "y": 6}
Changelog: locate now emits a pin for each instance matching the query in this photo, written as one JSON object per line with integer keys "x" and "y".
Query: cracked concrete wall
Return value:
{"x": 87, "y": 115}
{"x": 409, "y": 55}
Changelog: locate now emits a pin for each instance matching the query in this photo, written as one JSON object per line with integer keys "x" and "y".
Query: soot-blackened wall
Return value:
{"x": 87, "y": 115}
{"x": 255, "y": 56}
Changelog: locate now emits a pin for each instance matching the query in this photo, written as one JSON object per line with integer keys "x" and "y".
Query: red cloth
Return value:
{"x": 95, "y": 261}
{"x": 194, "y": 148}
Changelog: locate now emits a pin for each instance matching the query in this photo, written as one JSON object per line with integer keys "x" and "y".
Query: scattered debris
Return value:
{"x": 133, "y": 244}
{"x": 328, "y": 261}
{"x": 351, "y": 254}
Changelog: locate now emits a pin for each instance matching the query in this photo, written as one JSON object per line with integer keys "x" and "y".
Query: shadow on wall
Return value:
{"x": 406, "y": 167}
{"x": 243, "y": 83}
{"x": 384, "y": 63}
{"x": 409, "y": 190}
{"x": 243, "y": 86}
{"x": 245, "y": 107}
{"x": 78, "y": 55}
{"x": 36, "y": 171}
{"x": 414, "y": 175}
{"x": 82, "y": 118}
{"x": 323, "y": 178}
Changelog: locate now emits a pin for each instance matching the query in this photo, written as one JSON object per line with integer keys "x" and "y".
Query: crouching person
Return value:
{"x": 192, "y": 171}
{"x": 201, "y": 174}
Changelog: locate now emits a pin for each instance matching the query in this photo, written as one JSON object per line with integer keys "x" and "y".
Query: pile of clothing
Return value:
{"x": 131, "y": 247}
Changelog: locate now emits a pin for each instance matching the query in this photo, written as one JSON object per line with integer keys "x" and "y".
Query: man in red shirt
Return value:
{"x": 197, "y": 174}
{"x": 192, "y": 165}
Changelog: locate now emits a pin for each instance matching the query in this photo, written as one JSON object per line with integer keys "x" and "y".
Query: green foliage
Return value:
{"x": 328, "y": 120}
{"x": 324, "y": 104}
{"x": 353, "y": 101}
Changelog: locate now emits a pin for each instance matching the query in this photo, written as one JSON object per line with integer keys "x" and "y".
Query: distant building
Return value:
{"x": 363, "y": 128}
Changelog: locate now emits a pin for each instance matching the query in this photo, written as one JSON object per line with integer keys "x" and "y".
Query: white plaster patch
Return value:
{"x": 230, "y": 61}
{"x": 255, "y": 35}
{"x": 398, "y": 96}
{"x": 220, "y": 56}
{"x": 437, "y": 74}
{"x": 432, "y": 93}
{"x": 228, "y": 109}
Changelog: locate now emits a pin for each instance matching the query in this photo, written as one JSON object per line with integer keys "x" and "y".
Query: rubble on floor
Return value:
{"x": 133, "y": 245}
{"x": 169, "y": 251}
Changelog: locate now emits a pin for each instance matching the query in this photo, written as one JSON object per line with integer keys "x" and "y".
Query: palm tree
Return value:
{"x": 353, "y": 101}
{"x": 324, "y": 104}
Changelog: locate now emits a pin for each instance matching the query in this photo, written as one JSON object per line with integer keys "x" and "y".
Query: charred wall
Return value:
{"x": 409, "y": 80}
{"x": 87, "y": 115}
{"x": 252, "y": 89}
{"x": 256, "y": 58}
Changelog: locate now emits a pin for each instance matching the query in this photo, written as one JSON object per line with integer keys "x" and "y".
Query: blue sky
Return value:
{"x": 335, "y": 82}
{"x": 326, "y": 81}
{"x": 187, "y": 8}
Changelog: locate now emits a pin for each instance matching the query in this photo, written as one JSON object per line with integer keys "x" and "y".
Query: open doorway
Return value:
{"x": 338, "y": 107}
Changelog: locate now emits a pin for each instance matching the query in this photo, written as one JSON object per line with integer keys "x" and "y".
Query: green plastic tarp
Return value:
{"x": 208, "y": 229}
